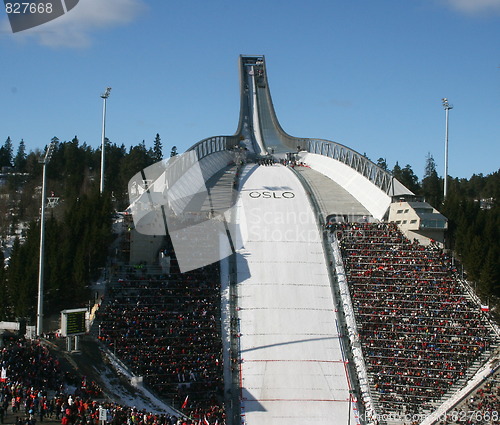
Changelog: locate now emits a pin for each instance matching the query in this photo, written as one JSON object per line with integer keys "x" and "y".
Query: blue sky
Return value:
{"x": 368, "y": 74}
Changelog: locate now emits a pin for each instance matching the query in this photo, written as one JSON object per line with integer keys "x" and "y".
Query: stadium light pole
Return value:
{"x": 44, "y": 161}
{"x": 447, "y": 108}
{"x": 104, "y": 96}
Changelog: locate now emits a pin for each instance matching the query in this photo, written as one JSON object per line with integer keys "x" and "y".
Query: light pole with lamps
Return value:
{"x": 104, "y": 96}
{"x": 447, "y": 108}
{"x": 44, "y": 161}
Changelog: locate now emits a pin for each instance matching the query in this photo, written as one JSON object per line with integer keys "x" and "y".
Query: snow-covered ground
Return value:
{"x": 8, "y": 242}
{"x": 115, "y": 381}
{"x": 135, "y": 395}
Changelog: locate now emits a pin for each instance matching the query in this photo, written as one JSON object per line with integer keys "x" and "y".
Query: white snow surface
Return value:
{"x": 292, "y": 370}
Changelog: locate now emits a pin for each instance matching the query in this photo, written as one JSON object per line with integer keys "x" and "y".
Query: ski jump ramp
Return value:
{"x": 292, "y": 366}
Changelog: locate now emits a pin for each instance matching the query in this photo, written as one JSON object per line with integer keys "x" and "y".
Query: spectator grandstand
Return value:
{"x": 420, "y": 332}
{"x": 166, "y": 329}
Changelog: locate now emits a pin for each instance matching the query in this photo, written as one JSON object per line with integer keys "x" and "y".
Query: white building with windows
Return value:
{"x": 419, "y": 220}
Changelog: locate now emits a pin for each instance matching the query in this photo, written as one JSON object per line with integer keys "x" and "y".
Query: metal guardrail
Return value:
{"x": 214, "y": 144}
{"x": 379, "y": 177}
{"x": 234, "y": 416}
{"x": 368, "y": 169}
{"x": 370, "y": 413}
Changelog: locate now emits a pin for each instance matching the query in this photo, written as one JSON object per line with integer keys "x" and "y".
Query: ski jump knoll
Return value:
{"x": 280, "y": 310}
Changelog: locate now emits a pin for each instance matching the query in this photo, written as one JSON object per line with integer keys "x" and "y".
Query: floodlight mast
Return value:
{"x": 104, "y": 96}
{"x": 447, "y": 108}
{"x": 44, "y": 161}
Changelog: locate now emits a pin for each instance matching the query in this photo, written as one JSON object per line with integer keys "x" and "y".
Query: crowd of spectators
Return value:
{"x": 419, "y": 331}
{"x": 34, "y": 389}
{"x": 32, "y": 383}
{"x": 166, "y": 329}
{"x": 480, "y": 407}
{"x": 270, "y": 160}
{"x": 28, "y": 372}
{"x": 266, "y": 161}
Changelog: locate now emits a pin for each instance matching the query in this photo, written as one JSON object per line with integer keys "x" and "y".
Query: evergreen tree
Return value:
{"x": 117, "y": 182}
{"x": 6, "y": 153}
{"x": 33, "y": 166}
{"x": 20, "y": 158}
{"x": 157, "y": 149}
{"x": 431, "y": 184}
{"x": 382, "y": 163}
{"x": 396, "y": 171}
{"x": 16, "y": 180}
{"x": 137, "y": 159}
{"x": 71, "y": 165}
{"x": 14, "y": 280}
{"x": 22, "y": 275}
{"x": 474, "y": 258}
{"x": 430, "y": 166}
{"x": 407, "y": 177}
{"x": 173, "y": 151}
{"x": 6, "y": 302}
{"x": 492, "y": 188}
{"x": 410, "y": 180}
{"x": 490, "y": 272}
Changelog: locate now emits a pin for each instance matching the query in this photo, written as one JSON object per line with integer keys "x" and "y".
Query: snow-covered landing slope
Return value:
{"x": 292, "y": 369}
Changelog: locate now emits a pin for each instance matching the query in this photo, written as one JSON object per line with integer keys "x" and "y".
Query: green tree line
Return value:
{"x": 78, "y": 231}
{"x": 473, "y": 212}
{"x": 79, "y": 228}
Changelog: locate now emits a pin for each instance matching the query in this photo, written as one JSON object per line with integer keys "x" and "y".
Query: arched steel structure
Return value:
{"x": 378, "y": 176}
{"x": 214, "y": 144}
